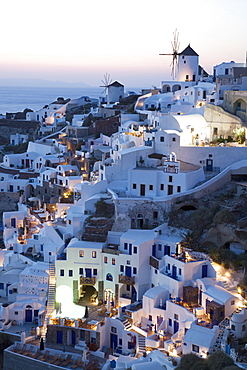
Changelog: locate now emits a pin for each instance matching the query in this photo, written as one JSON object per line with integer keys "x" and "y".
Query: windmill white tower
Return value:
{"x": 114, "y": 91}
{"x": 188, "y": 65}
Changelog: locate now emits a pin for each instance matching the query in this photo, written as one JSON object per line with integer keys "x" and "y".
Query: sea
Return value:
{"x": 16, "y": 99}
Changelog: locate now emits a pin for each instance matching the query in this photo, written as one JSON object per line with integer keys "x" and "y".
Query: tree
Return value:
{"x": 86, "y": 314}
{"x": 190, "y": 360}
{"x": 219, "y": 360}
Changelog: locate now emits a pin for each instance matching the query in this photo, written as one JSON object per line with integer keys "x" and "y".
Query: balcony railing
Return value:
{"x": 154, "y": 262}
{"x": 126, "y": 280}
{"x": 87, "y": 280}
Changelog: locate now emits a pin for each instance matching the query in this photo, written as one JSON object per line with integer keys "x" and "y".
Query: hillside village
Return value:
{"x": 122, "y": 206}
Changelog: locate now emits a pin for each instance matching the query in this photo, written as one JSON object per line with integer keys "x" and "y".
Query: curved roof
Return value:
{"x": 153, "y": 292}
{"x": 219, "y": 294}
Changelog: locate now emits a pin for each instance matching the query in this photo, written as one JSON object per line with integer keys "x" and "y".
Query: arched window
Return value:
{"x": 109, "y": 277}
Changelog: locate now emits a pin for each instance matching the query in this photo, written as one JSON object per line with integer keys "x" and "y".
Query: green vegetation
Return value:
{"x": 104, "y": 209}
{"x": 21, "y": 148}
{"x": 216, "y": 361}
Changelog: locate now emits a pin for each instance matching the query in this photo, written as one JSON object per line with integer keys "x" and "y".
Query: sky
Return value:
{"x": 81, "y": 40}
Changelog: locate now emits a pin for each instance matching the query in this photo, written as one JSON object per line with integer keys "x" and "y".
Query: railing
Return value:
{"x": 111, "y": 251}
{"x": 87, "y": 280}
{"x": 154, "y": 262}
{"x": 122, "y": 279}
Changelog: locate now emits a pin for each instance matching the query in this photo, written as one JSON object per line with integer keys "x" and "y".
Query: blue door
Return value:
{"x": 7, "y": 290}
{"x": 174, "y": 271}
{"x": 204, "y": 271}
{"x": 114, "y": 341}
{"x": 59, "y": 336}
{"x": 13, "y": 222}
{"x": 130, "y": 249}
{"x": 154, "y": 250}
{"x": 134, "y": 294}
{"x": 28, "y": 315}
{"x": 128, "y": 271}
{"x": 73, "y": 337}
{"x": 88, "y": 273}
{"x": 176, "y": 326}
{"x": 167, "y": 250}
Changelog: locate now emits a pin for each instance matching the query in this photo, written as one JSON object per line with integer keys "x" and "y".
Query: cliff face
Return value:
{"x": 10, "y": 127}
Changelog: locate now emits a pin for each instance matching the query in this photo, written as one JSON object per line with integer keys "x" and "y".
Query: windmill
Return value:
{"x": 106, "y": 82}
{"x": 175, "y": 53}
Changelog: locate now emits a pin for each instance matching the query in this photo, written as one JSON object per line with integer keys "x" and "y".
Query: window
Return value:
{"x": 187, "y": 77}
{"x": 126, "y": 246}
{"x": 155, "y": 215}
{"x": 134, "y": 270}
{"x": 173, "y": 139}
{"x": 113, "y": 261}
{"x": 16, "y": 312}
{"x": 113, "y": 329}
{"x": 151, "y": 187}
{"x": 169, "y": 266}
{"x": 159, "y": 247}
{"x": 81, "y": 253}
{"x": 150, "y": 317}
{"x": 69, "y": 222}
{"x": 215, "y": 131}
{"x": 232, "y": 303}
{"x": 128, "y": 288}
{"x": 195, "y": 348}
{"x": 156, "y": 271}
{"x": 121, "y": 268}
{"x": 175, "y": 316}
{"x": 135, "y": 250}
{"x": 80, "y": 271}
{"x": 243, "y": 327}
{"x": 95, "y": 272}
{"x": 134, "y": 186}
{"x": 94, "y": 254}
{"x": 161, "y": 186}
{"x": 128, "y": 262}
{"x": 36, "y": 237}
{"x": 120, "y": 342}
{"x": 105, "y": 260}
{"x": 109, "y": 277}
{"x": 170, "y": 178}
{"x": 61, "y": 272}
{"x": 233, "y": 327}
{"x": 170, "y": 322}
{"x": 162, "y": 139}
{"x": 179, "y": 271}
{"x": 70, "y": 273}
{"x": 179, "y": 189}
{"x": 41, "y": 247}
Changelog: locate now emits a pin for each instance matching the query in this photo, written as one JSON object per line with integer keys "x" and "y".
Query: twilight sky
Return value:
{"x": 81, "y": 40}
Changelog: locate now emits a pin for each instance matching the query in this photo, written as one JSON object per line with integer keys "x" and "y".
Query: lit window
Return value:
{"x": 94, "y": 254}
{"x": 113, "y": 261}
{"x": 105, "y": 260}
{"x": 81, "y": 253}
{"x": 195, "y": 348}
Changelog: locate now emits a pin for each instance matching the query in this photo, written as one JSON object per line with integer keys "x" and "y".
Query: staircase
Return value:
{"x": 50, "y": 298}
{"x": 141, "y": 344}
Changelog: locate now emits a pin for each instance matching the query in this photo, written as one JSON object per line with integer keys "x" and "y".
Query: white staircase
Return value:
{"x": 141, "y": 344}
{"x": 50, "y": 298}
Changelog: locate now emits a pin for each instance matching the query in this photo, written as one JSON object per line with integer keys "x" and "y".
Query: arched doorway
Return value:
{"x": 29, "y": 313}
{"x": 166, "y": 88}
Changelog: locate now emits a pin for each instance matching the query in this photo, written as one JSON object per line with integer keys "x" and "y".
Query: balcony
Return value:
{"x": 122, "y": 279}
{"x": 154, "y": 262}
{"x": 87, "y": 280}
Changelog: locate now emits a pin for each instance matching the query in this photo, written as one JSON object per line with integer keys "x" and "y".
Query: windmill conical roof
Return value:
{"x": 116, "y": 84}
{"x": 189, "y": 51}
